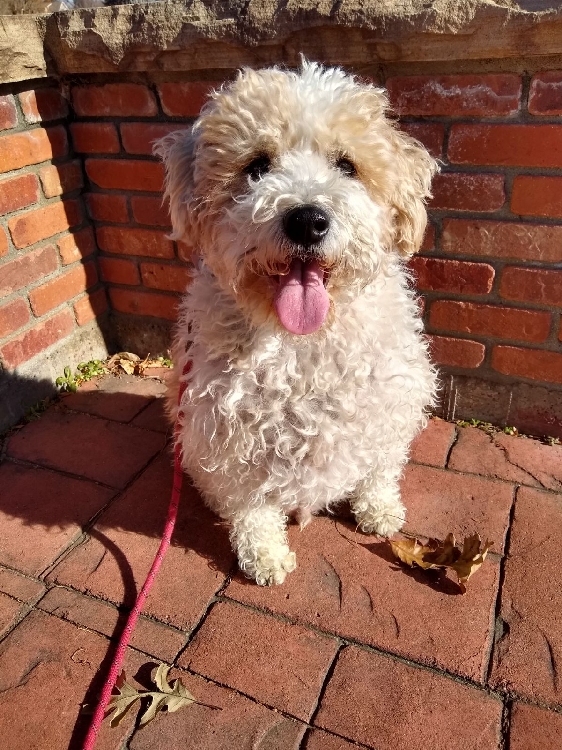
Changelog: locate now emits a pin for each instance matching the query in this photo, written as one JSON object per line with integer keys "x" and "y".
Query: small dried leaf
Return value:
{"x": 444, "y": 554}
{"x": 122, "y": 702}
{"x": 172, "y": 697}
{"x": 127, "y": 366}
{"x": 411, "y": 552}
{"x": 472, "y": 556}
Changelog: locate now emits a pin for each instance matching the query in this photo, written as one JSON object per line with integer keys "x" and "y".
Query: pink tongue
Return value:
{"x": 302, "y": 301}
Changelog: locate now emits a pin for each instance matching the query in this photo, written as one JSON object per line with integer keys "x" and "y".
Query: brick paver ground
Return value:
{"x": 352, "y": 651}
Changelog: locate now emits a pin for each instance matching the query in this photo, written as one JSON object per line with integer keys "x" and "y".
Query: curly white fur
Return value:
{"x": 276, "y": 424}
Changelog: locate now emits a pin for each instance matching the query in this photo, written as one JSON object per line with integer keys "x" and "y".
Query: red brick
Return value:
{"x": 144, "y": 303}
{"x": 288, "y": 678}
{"x": 500, "y": 239}
{"x": 185, "y": 99}
{"x": 532, "y": 285}
{"x": 90, "y": 306}
{"x": 195, "y": 566}
{"x": 13, "y": 315}
{"x": 126, "y": 174}
{"x": 460, "y": 277}
{"x": 67, "y": 285}
{"x": 514, "y": 459}
{"x": 139, "y": 137}
{"x": 108, "y": 207}
{"x": 151, "y": 211}
{"x": 26, "y": 269}
{"x": 3, "y": 242}
{"x": 126, "y": 241}
{"x": 117, "y": 271}
{"x": 114, "y": 100}
{"x": 153, "y": 417}
{"x": 44, "y": 516}
{"x": 490, "y": 320}
{"x": 25, "y": 346}
{"x": 545, "y": 94}
{"x": 8, "y": 114}
{"x": 33, "y": 226}
{"x": 488, "y": 95}
{"x": 237, "y": 723}
{"x": 18, "y": 192}
{"x": 10, "y": 611}
{"x": 510, "y": 145}
{"x": 560, "y": 332}
{"x": 115, "y": 452}
{"x": 76, "y": 246}
{"x": 527, "y": 649}
{"x": 431, "y": 134}
{"x": 349, "y": 584}
{"x": 533, "y": 728}
{"x": 42, "y": 105}
{"x": 95, "y": 137}
{"x": 20, "y": 587}
{"x": 165, "y": 277}
{"x": 537, "y": 196}
{"x": 31, "y": 147}
{"x": 63, "y": 178}
{"x": 456, "y": 352}
{"x": 431, "y": 446}
{"x": 535, "y": 364}
{"x": 463, "y": 191}
{"x": 151, "y": 637}
{"x": 428, "y": 242}
{"x": 117, "y": 398}
{"x": 42, "y": 652}
{"x": 384, "y": 703}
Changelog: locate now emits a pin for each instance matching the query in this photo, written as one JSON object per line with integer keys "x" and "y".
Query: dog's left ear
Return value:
{"x": 414, "y": 168}
{"x": 177, "y": 151}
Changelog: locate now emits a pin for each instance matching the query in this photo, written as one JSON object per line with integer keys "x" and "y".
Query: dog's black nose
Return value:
{"x": 306, "y": 225}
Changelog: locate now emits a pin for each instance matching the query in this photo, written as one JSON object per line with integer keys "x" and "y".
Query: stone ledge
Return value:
{"x": 210, "y": 34}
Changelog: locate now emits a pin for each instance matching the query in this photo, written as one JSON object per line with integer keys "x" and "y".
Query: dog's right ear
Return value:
{"x": 177, "y": 151}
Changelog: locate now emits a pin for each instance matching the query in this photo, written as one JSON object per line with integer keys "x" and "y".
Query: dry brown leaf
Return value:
{"x": 472, "y": 556}
{"x": 172, "y": 697}
{"x": 435, "y": 554}
{"x": 411, "y": 552}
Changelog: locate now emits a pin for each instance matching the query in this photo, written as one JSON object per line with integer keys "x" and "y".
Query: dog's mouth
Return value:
{"x": 301, "y": 300}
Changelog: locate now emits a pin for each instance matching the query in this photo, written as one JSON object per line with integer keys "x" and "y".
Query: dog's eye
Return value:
{"x": 346, "y": 167}
{"x": 258, "y": 167}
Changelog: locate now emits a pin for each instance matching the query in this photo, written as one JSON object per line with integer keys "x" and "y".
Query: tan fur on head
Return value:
{"x": 262, "y": 111}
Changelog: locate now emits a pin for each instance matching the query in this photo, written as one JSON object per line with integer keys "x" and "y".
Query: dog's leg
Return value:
{"x": 259, "y": 538}
{"x": 376, "y": 503}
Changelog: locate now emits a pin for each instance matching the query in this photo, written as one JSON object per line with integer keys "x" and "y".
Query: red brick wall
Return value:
{"x": 48, "y": 275}
{"x": 490, "y": 270}
{"x": 115, "y": 127}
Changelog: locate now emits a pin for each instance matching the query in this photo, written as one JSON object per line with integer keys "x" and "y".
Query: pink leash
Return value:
{"x": 119, "y": 656}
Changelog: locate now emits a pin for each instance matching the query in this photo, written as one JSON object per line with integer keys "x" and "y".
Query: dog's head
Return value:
{"x": 295, "y": 187}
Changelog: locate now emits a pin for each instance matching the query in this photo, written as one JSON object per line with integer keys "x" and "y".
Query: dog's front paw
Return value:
{"x": 270, "y": 566}
{"x": 381, "y": 520}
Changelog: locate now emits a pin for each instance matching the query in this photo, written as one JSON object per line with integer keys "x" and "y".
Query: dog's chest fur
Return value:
{"x": 270, "y": 410}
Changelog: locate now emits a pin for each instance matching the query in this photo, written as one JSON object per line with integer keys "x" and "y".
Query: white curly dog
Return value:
{"x": 309, "y": 374}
